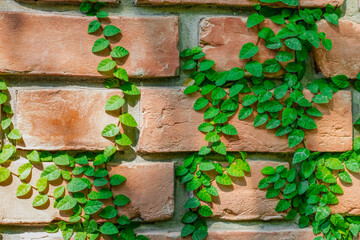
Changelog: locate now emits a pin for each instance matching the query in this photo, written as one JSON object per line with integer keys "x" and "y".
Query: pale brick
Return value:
{"x": 343, "y": 58}
{"x": 244, "y": 3}
{"x": 60, "y": 45}
{"x": 169, "y": 124}
{"x": 279, "y": 234}
{"x": 54, "y": 119}
{"x": 150, "y": 186}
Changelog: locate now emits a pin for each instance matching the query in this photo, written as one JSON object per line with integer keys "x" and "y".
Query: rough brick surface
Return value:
{"x": 281, "y": 234}
{"x": 348, "y": 202}
{"x": 68, "y": 1}
{"x": 19, "y": 211}
{"x": 243, "y": 200}
{"x": 246, "y": 3}
{"x": 151, "y": 190}
{"x": 223, "y": 37}
{"x": 341, "y": 59}
{"x": 60, "y": 45}
{"x": 52, "y": 119}
{"x": 169, "y": 124}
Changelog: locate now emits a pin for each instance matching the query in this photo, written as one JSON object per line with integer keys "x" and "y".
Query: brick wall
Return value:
{"x": 58, "y": 99}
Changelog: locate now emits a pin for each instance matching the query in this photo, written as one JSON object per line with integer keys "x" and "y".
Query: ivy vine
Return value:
{"x": 306, "y": 190}
{"x": 85, "y": 177}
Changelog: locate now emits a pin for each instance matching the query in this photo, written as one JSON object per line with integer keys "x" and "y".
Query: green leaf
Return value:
{"x": 218, "y": 93}
{"x": 283, "y": 205}
{"x": 200, "y": 103}
{"x": 187, "y": 230}
{"x": 300, "y": 155}
{"x": 111, "y": 30}
{"x": 200, "y": 234}
{"x": 3, "y": 98}
{"x": 352, "y": 165}
{"x": 313, "y": 112}
{"x": 14, "y": 134}
{"x": 111, "y": 130}
{"x": 192, "y": 203}
{"x": 296, "y": 136}
{"x": 24, "y": 171}
{"x": 108, "y": 212}
{"x": 248, "y": 50}
{"x": 206, "y": 127}
{"x": 268, "y": 170}
{"x": 77, "y": 185}
{"x": 128, "y": 120}
{"x": 188, "y": 65}
{"x": 189, "y": 217}
{"x": 206, "y": 65}
{"x": 121, "y": 74}
{"x": 130, "y": 89}
{"x": 284, "y": 56}
{"x": 289, "y": 116}
{"x": 223, "y": 179}
{"x": 203, "y": 195}
{"x": 331, "y": 18}
{"x": 194, "y": 184}
{"x": 61, "y": 159}
{"x": 308, "y": 167}
{"x": 94, "y": 26}
{"x": 119, "y": 52}
{"x": 109, "y": 229}
{"x": 40, "y": 200}
{"x": 254, "y": 68}
{"x": 313, "y": 38}
{"x": 42, "y": 184}
{"x": 123, "y": 140}
{"x": 92, "y": 207}
{"x": 245, "y": 112}
{"x": 260, "y": 119}
{"x": 106, "y": 65}
{"x": 219, "y": 147}
{"x": 5, "y": 123}
{"x": 109, "y": 151}
{"x": 306, "y": 122}
{"x": 293, "y": 43}
{"x": 229, "y": 129}
{"x": 345, "y": 177}
{"x": 102, "y": 14}
{"x": 66, "y": 203}
{"x": 291, "y": 2}
{"x": 235, "y": 170}
{"x": 249, "y": 100}
{"x": 320, "y": 99}
{"x": 23, "y": 189}
{"x": 80, "y": 236}
{"x": 341, "y": 81}
{"x": 254, "y": 20}
{"x": 33, "y": 156}
{"x": 322, "y": 213}
{"x": 59, "y": 191}
{"x": 51, "y": 228}
{"x": 271, "y": 66}
{"x": 334, "y": 163}
{"x": 100, "y": 44}
{"x": 51, "y": 173}
{"x": 205, "y": 211}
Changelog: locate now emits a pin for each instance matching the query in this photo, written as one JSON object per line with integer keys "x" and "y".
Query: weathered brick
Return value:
{"x": 19, "y": 211}
{"x": 348, "y": 201}
{"x": 243, "y": 3}
{"x": 223, "y": 37}
{"x": 288, "y": 234}
{"x": 150, "y": 187}
{"x": 60, "y": 45}
{"x": 169, "y": 124}
{"x": 53, "y": 119}
{"x": 342, "y": 59}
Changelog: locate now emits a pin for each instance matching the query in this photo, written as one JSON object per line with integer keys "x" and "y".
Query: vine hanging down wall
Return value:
{"x": 274, "y": 92}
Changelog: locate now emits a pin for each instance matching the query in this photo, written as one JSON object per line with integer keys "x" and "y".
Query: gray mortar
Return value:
{"x": 189, "y": 18}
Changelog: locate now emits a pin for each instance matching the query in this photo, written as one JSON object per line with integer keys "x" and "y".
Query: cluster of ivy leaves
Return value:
{"x": 117, "y": 77}
{"x": 279, "y": 105}
{"x": 310, "y": 190}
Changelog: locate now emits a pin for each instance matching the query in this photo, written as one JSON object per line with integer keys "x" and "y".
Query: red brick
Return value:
{"x": 245, "y": 3}
{"x": 254, "y": 204}
{"x": 169, "y": 124}
{"x": 53, "y": 119}
{"x": 223, "y": 37}
{"x": 348, "y": 201}
{"x": 60, "y": 45}
{"x": 150, "y": 187}
{"x": 288, "y": 234}
{"x": 342, "y": 59}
